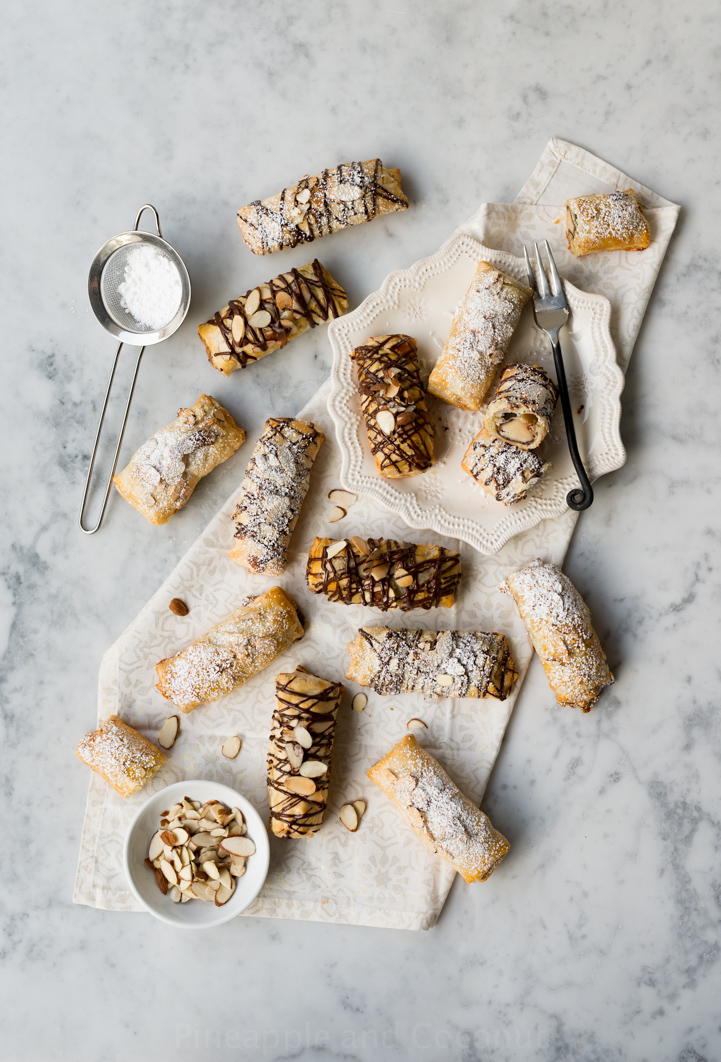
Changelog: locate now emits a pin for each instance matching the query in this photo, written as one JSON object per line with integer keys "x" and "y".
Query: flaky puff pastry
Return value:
{"x": 120, "y": 755}
{"x": 520, "y": 411}
{"x": 164, "y": 472}
{"x": 272, "y": 494}
{"x": 611, "y": 222}
{"x": 348, "y": 194}
{"x": 269, "y": 316}
{"x": 232, "y": 652}
{"x": 479, "y": 337}
{"x": 559, "y": 623}
{"x": 301, "y": 741}
{"x": 507, "y": 472}
{"x": 434, "y": 807}
{"x": 393, "y": 401}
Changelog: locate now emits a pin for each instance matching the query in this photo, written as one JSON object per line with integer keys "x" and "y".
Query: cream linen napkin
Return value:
{"x": 382, "y": 875}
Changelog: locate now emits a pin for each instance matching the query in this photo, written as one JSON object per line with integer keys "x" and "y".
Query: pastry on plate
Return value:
{"x": 272, "y": 493}
{"x": 432, "y": 663}
{"x": 450, "y": 824}
{"x": 393, "y": 401}
{"x": 164, "y": 472}
{"x": 480, "y": 333}
{"x": 301, "y": 741}
{"x": 559, "y": 623}
{"x": 120, "y": 755}
{"x": 268, "y": 316}
{"x": 610, "y": 222}
{"x": 334, "y": 199}
{"x": 231, "y": 652}
{"x": 505, "y": 471}
{"x": 520, "y": 411}
{"x": 383, "y": 573}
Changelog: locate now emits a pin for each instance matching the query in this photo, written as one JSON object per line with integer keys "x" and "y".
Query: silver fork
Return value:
{"x": 550, "y": 310}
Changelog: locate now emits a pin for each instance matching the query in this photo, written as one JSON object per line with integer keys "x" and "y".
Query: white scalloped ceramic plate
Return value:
{"x": 421, "y": 302}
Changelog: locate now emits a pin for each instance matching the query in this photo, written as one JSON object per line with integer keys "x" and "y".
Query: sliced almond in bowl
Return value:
{"x": 238, "y": 846}
{"x": 231, "y": 748}
{"x": 349, "y": 817}
{"x": 155, "y": 848}
{"x": 169, "y": 732}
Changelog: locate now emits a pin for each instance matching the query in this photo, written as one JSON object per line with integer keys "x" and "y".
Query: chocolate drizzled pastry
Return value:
{"x": 432, "y": 663}
{"x": 348, "y": 194}
{"x": 520, "y": 412}
{"x": 505, "y": 471}
{"x": 275, "y": 485}
{"x": 384, "y": 573}
{"x": 393, "y": 400}
{"x": 267, "y": 317}
{"x": 301, "y": 740}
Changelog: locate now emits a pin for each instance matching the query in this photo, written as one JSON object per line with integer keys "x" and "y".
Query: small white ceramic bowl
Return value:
{"x": 197, "y": 914}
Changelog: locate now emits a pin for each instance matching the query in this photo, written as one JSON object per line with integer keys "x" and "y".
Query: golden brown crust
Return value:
{"x": 269, "y": 316}
{"x": 448, "y": 823}
{"x": 231, "y": 652}
{"x": 120, "y": 755}
{"x": 163, "y": 473}
{"x": 479, "y": 337}
{"x": 610, "y": 222}
{"x": 348, "y": 194}
{"x": 311, "y": 704}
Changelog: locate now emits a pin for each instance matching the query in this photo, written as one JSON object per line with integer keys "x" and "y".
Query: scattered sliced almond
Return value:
{"x": 303, "y": 737}
{"x": 337, "y": 513}
{"x": 416, "y": 724}
{"x": 342, "y": 497}
{"x": 313, "y": 769}
{"x": 349, "y": 817}
{"x": 252, "y": 302}
{"x": 359, "y": 702}
{"x": 300, "y": 786}
{"x": 231, "y": 748}
{"x": 444, "y": 680}
{"x": 169, "y": 732}
{"x": 178, "y": 607}
{"x": 238, "y": 846}
{"x": 334, "y": 548}
{"x": 238, "y": 327}
{"x": 386, "y": 421}
{"x": 260, "y": 319}
{"x": 360, "y": 807}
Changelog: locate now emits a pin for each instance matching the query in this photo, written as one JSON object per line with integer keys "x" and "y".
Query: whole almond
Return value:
{"x": 178, "y": 607}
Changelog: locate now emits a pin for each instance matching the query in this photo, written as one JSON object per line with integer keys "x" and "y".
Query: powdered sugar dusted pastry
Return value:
{"x": 275, "y": 485}
{"x": 267, "y": 317}
{"x": 393, "y": 401}
{"x": 479, "y": 337}
{"x": 232, "y": 652}
{"x": 120, "y": 755}
{"x": 301, "y": 740}
{"x": 334, "y": 199}
{"x": 560, "y": 627}
{"x": 433, "y": 663}
{"x": 612, "y": 222}
{"x": 435, "y": 808}
{"x": 164, "y": 472}
{"x": 505, "y": 471}
{"x": 383, "y": 573}
{"x": 520, "y": 412}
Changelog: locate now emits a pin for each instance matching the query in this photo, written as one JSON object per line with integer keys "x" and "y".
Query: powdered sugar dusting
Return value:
{"x": 121, "y": 755}
{"x": 505, "y": 471}
{"x": 606, "y": 222}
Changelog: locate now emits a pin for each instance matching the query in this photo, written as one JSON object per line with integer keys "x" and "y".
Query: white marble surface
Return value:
{"x": 599, "y": 937}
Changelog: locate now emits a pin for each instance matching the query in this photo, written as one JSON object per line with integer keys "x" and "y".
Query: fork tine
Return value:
{"x": 531, "y": 277}
{"x": 542, "y": 282}
{"x": 555, "y": 279}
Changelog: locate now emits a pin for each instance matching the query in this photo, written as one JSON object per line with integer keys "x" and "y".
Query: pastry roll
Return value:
{"x": 267, "y": 317}
{"x": 383, "y": 573}
{"x": 393, "y": 401}
{"x": 120, "y": 755}
{"x": 434, "y": 807}
{"x": 613, "y": 222}
{"x": 164, "y": 472}
{"x": 479, "y": 337}
{"x": 301, "y": 740}
{"x": 231, "y": 653}
{"x": 560, "y": 627}
{"x": 275, "y": 485}
{"x": 505, "y": 471}
{"x": 432, "y": 663}
{"x": 346, "y": 195}
{"x": 520, "y": 411}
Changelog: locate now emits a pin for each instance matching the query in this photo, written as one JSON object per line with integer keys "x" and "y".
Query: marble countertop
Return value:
{"x": 603, "y": 941}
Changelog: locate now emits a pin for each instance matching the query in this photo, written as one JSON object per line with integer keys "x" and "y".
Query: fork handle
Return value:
{"x": 582, "y": 497}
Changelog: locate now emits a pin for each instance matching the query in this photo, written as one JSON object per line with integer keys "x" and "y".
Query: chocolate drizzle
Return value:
{"x": 353, "y": 576}
{"x": 389, "y": 382}
{"x": 505, "y": 471}
{"x": 303, "y": 700}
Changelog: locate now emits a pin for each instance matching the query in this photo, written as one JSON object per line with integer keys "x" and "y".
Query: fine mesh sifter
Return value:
{"x": 106, "y": 275}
